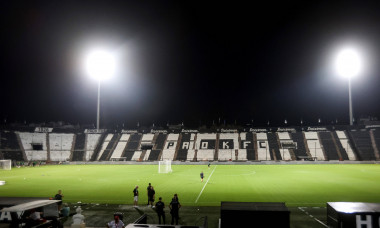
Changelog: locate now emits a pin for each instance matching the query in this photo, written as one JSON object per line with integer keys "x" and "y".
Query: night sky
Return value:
{"x": 187, "y": 61}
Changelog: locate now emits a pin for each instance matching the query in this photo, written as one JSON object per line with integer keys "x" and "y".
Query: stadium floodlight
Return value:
{"x": 100, "y": 65}
{"x": 348, "y": 64}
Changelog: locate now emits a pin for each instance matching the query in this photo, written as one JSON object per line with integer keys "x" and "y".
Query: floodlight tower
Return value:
{"x": 348, "y": 64}
{"x": 100, "y": 65}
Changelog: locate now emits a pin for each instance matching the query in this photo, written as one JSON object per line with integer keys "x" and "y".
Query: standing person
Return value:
{"x": 151, "y": 195}
{"x": 135, "y": 196}
{"x": 174, "y": 209}
{"x": 59, "y": 196}
{"x": 160, "y": 210}
{"x": 209, "y": 165}
{"x": 147, "y": 192}
{"x": 202, "y": 175}
{"x": 116, "y": 223}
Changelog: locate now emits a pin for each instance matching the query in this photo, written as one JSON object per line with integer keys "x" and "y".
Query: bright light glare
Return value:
{"x": 100, "y": 65}
{"x": 348, "y": 63}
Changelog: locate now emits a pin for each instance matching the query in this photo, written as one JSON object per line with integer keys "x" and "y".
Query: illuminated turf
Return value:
{"x": 297, "y": 185}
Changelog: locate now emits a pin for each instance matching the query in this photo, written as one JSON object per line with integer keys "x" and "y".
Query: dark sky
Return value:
{"x": 187, "y": 61}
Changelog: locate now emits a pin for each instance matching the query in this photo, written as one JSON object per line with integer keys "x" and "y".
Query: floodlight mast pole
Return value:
{"x": 350, "y": 100}
{"x": 98, "y": 113}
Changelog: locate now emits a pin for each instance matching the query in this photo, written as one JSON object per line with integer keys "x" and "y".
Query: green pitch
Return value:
{"x": 297, "y": 185}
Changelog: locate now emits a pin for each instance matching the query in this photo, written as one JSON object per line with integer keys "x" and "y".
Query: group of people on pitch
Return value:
{"x": 160, "y": 205}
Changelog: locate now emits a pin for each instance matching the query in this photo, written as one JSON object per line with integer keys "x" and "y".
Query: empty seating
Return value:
{"x": 146, "y": 157}
{"x": 132, "y": 145}
{"x": 170, "y": 147}
{"x": 273, "y": 146}
{"x": 34, "y": 145}
{"x": 329, "y": 145}
{"x": 205, "y": 155}
{"x": 247, "y": 146}
{"x": 228, "y": 143}
{"x": 262, "y": 146}
{"x": 314, "y": 145}
{"x": 205, "y": 144}
{"x": 363, "y": 144}
{"x": 284, "y": 138}
{"x": 186, "y": 144}
{"x": 346, "y": 144}
{"x": 60, "y": 146}
{"x": 91, "y": 143}
{"x": 298, "y": 138}
{"x": 153, "y": 156}
{"x": 110, "y": 147}
{"x": 342, "y": 151}
{"x": 10, "y": 147}
{"x": 136, "y": 155}
{"x": 104, "y": 145}
{"x": 225, "y": 155}
{"x": 376, "y": 135}
{"x": 120, "y": 147}
{"x": 78, "y": 153}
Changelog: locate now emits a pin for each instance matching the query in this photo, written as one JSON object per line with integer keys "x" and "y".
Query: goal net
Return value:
{"x": 6, "y": 164}
{"x": 165, "y": 166}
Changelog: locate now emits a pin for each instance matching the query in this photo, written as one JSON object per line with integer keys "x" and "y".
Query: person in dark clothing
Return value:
{"x": 160, "y": 210}
{"x": 135, "y": 196}
{"x": 151, "y": 195}
{"x": 147, "y": 192}
{"x": 202, "y": 176}
{"x": 59, "y": 196}
{"x": 174, "y": 209}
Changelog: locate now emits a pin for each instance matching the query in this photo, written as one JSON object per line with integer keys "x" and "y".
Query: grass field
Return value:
{"x": 297, "y": 185}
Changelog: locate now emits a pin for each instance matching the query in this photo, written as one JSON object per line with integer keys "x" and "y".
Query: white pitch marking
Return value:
{"x": 205, "y": 185}
{"x": 301, "y": 208}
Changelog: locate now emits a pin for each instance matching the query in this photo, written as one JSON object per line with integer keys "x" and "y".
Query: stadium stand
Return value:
{"x": 300, "y": 151}
{"x": 170, "y": 147}
{"x": 329, "y": 145}
{"x": 274, "y": 148}
{"x": 146, "y": 155}
{"x": 10, "y": 147}
{"x": 262, "y": 147}
{"x": 99, "y": 147}
{"x": 90, "y": 145}
{"x": 120, "y": 147}
{"x": 110, "y": 147}
{"x": 376, "y": 136}
{"x": 284, "y": 139}
{"x": 184, "y": 147}
{"x": 136, "y": 156}
{"x": 60, "y": 146}
{"x": 205, "y": 145}
{"x": 341, "y": 150}
{"x": 155, "y": 154}
{"x": 104, "y": 145}
{"x": 314, "y": 145}
{"x": 228, "y": 145}
{"x": 358, "y": 144}
{"x": 132, "y": 145}
{"x": 363, "y": 144}
{"x": 78, "y": 153}
{"x": 34, "y": 145}
{"x": 247, "y": 145}
{"x": 346, "y": 144}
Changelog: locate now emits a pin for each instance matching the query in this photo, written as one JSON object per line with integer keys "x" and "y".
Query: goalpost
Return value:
{"x": 165, "y": 166}
{"x": 6, "y": 164}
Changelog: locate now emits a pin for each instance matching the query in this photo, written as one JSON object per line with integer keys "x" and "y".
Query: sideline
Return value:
{"x": 205, "y": 185}
{"x": 311, "y": 216}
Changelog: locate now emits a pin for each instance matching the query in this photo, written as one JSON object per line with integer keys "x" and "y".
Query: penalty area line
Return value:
{"x": 205, "y": 185}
